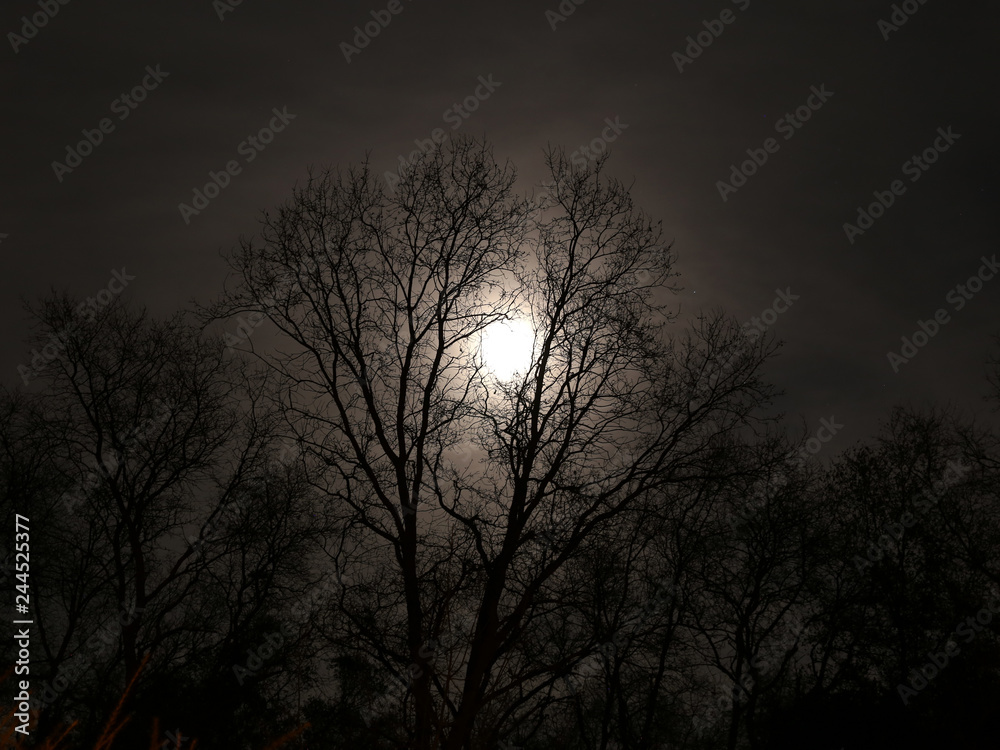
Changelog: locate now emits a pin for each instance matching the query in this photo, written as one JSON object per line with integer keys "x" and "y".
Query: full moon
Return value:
{"x": 506, "y": 348}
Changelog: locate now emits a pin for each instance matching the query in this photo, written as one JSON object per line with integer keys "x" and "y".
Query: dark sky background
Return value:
{"x": 782, "y": 229}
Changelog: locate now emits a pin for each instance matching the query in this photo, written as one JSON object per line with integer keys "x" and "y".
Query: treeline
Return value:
{"x": 360, "y": 527}
{"x": 763, "y": 602}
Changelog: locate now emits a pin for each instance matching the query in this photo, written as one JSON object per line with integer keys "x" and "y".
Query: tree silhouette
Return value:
{"x": 346, "y": 514}
{"x": 385, "y": 392}
{"x": 166, "y": 529}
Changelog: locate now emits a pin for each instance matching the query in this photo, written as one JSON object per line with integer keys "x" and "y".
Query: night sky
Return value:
{"x": 544, "y": 74}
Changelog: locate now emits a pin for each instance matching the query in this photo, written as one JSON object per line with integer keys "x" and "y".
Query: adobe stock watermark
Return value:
{"x": 174, "y": 739}
{"x": 80, "y": 662}
{"x": 112, "y": 459}
{"x": 399, "y": 687}
{"x": 923, "y": 501}
{"x": 755, "y": 327}
{"x": 968, "y": 628}
{"x": 792, "y": 630}
{"x": 713, "y": 30}
{"x": 257, "y": 657}
{"x": 581, "y": 157}
{"x": 588, "y": 152}
{"x": 749, "y": 508}
{"x": 40, "y": 359}
{"x": 563, "y": 11}
{"x": 455, "y": 115}
{"x": 249, "y": 149}
{"x": 245, "y": 327}
{"x": 222, "y": 7}
{"x": 901, "y": 13}
{"x": 828, "y": 429}
{"x": 48, "y": 9}
{"x": 787, "y": 126}
{"x": 665, "y": 594}
{"x": 363, "y": 36}
{"x": 958, "y": 296}
{"x": 317, "y": 598}
{"x": 220, "y": 519}
{"x": 455, "y": 634}
{"x": 123, "y": 107}
{"x": 725, "y": 701}
{"x": 914, "y": 168}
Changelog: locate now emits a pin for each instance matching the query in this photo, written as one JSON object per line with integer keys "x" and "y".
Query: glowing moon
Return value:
{"x": 506, "y": 348}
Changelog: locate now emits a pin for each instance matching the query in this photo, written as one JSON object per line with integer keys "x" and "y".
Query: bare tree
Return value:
{"x": 170, "y": 528}
{"x": 445, "y": 477}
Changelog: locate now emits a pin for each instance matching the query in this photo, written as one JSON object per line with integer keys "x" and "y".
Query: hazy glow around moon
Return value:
{"x": 506, "y": 348}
